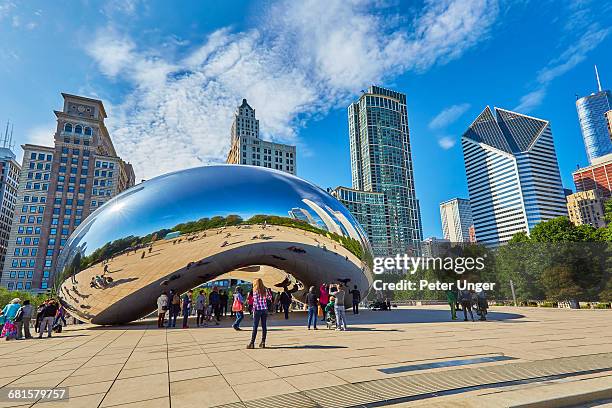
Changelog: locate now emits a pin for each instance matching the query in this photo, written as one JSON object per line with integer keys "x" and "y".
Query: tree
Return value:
{"x": 560, "y": 283}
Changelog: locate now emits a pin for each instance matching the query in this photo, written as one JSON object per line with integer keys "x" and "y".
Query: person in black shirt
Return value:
{"x": 312, "y": 301}
{"x": 356, "y": 299}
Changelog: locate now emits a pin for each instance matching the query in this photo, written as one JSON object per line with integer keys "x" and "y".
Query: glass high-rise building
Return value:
{"x": 512, "y": 174}
{"x": 456, "y": 216}
{"x": 381, "y": 162}
{"x": 592, "y": 111}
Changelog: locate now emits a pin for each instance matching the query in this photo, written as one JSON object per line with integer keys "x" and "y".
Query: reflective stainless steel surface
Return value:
{"x": 183, "y": 229}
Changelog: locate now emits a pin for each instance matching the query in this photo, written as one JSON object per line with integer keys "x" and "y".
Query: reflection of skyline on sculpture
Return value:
{"x": 228, "y": 217}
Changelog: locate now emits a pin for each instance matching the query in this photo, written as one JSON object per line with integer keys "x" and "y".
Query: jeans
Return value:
{"x": 263, "y": 316}
{"x": 355, "y": 307}
{"x": 217, "y": 312}
{"x": 340, "y": 317}
{"x": 467, "y": 307}
{"x": 312, "y": 316}
{"x": 239, "y": 317}
{"x": 286, "y": 309}
{"x": 46, "y": 322}
{"x": 186, "y": 313}
{"x": 173, "y": 315}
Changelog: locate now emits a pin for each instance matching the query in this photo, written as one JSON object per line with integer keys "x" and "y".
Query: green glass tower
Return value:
{"x": 381, "y": 162}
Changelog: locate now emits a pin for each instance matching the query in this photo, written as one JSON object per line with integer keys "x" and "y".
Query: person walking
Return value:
{"x": 200, "y": 308}
{"x": 162, "y": 308}
{"x": 451, "y": 297}
{"x": 224, "y": 299}
{"x": 215, "y": 301}
{"x": 312, "y": 301}
{"x": 323, "y": 298}
{"x": 8, "y": 314}
{"x": 48, "y": 316}
{"x": 338, "y": 292}
{"x": 285, "y": 300}
{"x": 356, "y": 299}
{"x": 237, "y": 307}
{"x": 260, "y": 313}
{"x": 466, "y": 304}
{"x": 24, "y": 315}
{"x": 186, "y": 308}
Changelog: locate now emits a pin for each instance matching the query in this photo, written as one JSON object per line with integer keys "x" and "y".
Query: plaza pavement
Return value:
{"x": 139, "y": 365}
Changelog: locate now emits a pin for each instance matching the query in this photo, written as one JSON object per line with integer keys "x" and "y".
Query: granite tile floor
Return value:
{"x": 139, "y": 365}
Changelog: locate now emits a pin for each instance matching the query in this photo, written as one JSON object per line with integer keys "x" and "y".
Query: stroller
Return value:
{"x": 330, "y": 318}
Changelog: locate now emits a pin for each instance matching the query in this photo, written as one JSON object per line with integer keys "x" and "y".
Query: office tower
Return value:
{"x": 433, "y": 247}
{"x": 370, "y": 210}
{"x": 59, "y": 187}
{"x": 512, "y": 174}
{"x": 456, "y": 216}
{"x": 586, "y": 207}
{"x": 9, "y": 179}
{"x": 593, "y": 122}
{"x": 248, "y": 148}
{"x": 381, "y": 162}
{"x": 597, "y": 176}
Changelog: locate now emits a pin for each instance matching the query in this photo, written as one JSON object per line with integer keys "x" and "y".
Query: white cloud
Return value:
{"x": 531, "y": 100}
{"x": 446, "y": 142}
{"x": 310, "y": 57}
{"x": 448, "y": 116}
{"x": 579, "y": 18}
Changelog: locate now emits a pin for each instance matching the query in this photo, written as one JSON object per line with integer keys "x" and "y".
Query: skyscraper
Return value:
{"x": 381, "y": 162}
{"x": 593, "y": 122}
{"x": 9, "y": 179}
{"x": 456, "y": 216}
{"x": 512, "y": 174}
{"x": 248, "y": 148}
{"x": 58, "y": 188}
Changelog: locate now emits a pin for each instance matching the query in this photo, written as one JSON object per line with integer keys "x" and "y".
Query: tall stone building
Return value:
{"x": 59, "y": 187}
{"x": 248, "y": 148}
{"x": 586, "y": 208}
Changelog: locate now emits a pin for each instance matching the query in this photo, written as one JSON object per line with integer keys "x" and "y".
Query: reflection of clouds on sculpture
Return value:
{"x": 220, "y": 219}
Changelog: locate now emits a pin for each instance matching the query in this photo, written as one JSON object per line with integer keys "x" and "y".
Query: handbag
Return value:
{"x": 320, "y": 311}
{"x": 237, "y": 306}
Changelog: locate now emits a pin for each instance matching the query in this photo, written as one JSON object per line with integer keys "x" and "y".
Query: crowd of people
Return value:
{"x": 17, "y": 318}
{"x": 327, "y": 303}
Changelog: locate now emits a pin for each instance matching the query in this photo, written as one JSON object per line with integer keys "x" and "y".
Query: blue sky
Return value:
{"x": 171, "y": 74}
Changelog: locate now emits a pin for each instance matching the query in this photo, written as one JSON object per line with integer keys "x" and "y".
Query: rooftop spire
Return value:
{"x": 598, "y": 82}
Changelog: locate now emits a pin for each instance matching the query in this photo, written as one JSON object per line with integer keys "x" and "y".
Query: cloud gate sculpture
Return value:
{"x": 186, "y": 228}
